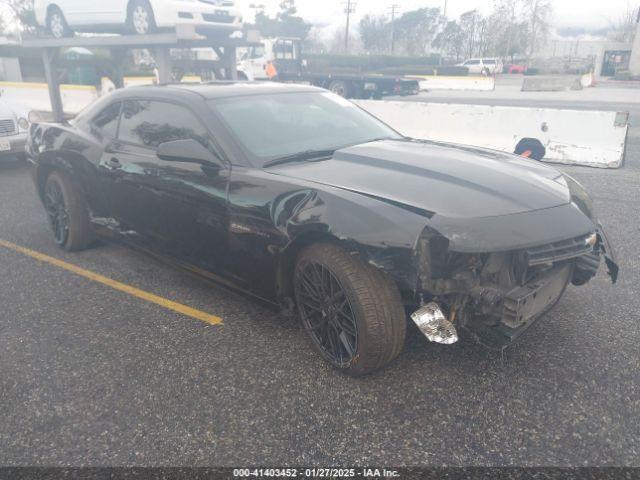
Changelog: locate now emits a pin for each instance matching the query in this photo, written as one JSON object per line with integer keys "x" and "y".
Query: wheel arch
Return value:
{"x": 311, "y": 216}
{"x": 151, "y": 5}
{"x": 72, "y": 165}
{"x": 289, "y": 255}
{"x": 391, "y": 262}
{"x": 47, "y": 164}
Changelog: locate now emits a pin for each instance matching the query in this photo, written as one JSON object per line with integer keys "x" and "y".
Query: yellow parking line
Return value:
{"x": 149, "y": 297}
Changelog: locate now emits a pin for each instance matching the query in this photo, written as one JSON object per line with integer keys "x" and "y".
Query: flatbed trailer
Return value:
{"x": 359, "y": 86}
{"x": 287, "y": 59}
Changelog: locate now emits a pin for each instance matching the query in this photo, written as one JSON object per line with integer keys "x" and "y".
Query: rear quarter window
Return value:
{"x": 106, "y": 122}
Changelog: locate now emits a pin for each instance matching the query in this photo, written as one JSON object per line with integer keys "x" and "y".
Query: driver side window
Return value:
{"x": 149, "y": 123}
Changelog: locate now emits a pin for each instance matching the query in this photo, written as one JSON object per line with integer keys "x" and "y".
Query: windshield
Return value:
{"x": 278, "y": 125}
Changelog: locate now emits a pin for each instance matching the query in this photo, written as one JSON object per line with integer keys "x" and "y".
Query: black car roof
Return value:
{"x": 228, "y": 89}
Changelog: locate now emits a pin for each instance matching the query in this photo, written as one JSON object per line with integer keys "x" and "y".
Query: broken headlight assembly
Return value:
{"x": 579, "y": 195}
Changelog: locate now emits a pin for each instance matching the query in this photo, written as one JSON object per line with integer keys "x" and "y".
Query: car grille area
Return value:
{"x": 558, "y": 251}
{"x": 217, "y": 18}
{"x": 219, "y": 3}
{"x": 7, "y": 127}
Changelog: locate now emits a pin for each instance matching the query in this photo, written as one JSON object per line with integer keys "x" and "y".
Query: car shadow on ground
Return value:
{"x": 11, "y": 164}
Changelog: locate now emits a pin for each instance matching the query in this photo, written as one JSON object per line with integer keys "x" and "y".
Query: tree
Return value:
{"x": 375, "y": 32}
{"x": 470, "y": 24}
{"x": 623, "y": 28}
{"x": 25, "y": 14}
{"x": 415, "y": 30}
{"x": 537, "y": 14}
{"x": 451, "y": 40}
{"x": 286, "y": 23}
{"x": 336, "y": 43}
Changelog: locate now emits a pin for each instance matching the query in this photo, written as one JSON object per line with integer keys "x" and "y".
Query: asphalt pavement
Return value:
{"x": 92, "y": 376}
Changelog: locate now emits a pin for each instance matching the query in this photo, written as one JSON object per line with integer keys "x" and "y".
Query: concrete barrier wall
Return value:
{"x": 74, "y": 97}
{"x": 441, "y": 82}
{"x": 551, "y": 84}
{"x": 575, "y": 137}
{"x": 36, "y": 95}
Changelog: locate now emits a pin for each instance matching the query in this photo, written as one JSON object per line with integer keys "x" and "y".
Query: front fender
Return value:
{"x": 383, "y": 235}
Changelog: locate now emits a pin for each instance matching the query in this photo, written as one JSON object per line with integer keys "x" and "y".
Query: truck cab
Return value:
{"x": 285, "y": 53}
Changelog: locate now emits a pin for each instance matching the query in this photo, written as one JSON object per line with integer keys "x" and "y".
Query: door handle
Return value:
{"x": 114, "y": 164}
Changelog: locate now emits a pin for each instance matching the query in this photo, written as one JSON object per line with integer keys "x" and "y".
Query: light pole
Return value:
{"x": 394, "y": 9}
{"x": 350, "y": 7}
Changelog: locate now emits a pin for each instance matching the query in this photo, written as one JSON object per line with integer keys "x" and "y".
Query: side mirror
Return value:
{"x": 188, "y": 151}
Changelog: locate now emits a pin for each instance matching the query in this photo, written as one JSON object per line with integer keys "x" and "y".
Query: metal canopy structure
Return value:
{"x": 160, "y": 45}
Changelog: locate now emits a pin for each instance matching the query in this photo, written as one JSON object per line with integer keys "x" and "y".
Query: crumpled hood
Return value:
{"x": 450, "y": 180}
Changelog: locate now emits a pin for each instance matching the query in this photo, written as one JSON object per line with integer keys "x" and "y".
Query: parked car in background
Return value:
{"x": 514, "y": 69}
{"x": 64, "y": 17}
{"x": 299, "y": 197}
{"x": 14, "y": 125}
{"x": 483, "y": 66}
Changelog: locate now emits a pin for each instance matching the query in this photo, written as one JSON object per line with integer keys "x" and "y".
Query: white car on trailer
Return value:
{"x": 64, "y": 17}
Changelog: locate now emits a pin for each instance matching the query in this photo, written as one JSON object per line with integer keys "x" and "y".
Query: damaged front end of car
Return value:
{"x": 497, "y": 296}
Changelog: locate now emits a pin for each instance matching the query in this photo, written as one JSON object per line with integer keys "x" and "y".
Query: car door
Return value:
{"x": 257, "y": 62}
{"x": 473, "y": 65}
{"x": 177, "y": 208}
{"x": 490, "y": 65}
{"x": 86, "y": 13}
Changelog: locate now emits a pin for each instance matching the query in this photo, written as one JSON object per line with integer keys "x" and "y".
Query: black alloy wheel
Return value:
{"x": 56, "y": 208}
{"x": 351, "y": 311}
{"x": 67, "y": 212}
{"x": 327, "y": 314}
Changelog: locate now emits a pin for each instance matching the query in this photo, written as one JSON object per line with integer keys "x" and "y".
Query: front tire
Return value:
{"x": 350, "y": 310}
{"x": 141, "y": 19}
{"x": 68, "y": 213}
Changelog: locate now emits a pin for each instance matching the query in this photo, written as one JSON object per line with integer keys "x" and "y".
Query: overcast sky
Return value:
{"x": 574, "y": 13}
{"x": 587, "y": 13}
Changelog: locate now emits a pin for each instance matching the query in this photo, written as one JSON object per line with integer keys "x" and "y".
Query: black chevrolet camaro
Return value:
{"x": 300, "y": 198}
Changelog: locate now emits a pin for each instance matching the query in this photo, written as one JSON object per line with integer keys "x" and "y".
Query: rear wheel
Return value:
{"x": 342, "y": 88}
{"x": 68, "y": 213}
{"x": 57, "y": 24}
{"x": 141, "y": 18}
{"x": 351, "y": 311}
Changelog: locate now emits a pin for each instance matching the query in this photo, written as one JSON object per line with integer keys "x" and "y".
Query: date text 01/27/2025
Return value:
{"x": 315, "y": 473}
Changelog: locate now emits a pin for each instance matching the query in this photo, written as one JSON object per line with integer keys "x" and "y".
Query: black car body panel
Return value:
{"x": 443, "y": 221}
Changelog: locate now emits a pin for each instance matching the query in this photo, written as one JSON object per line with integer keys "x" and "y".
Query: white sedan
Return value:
{"x": 14, "y": 125}
{"x": 62, "y": 17}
